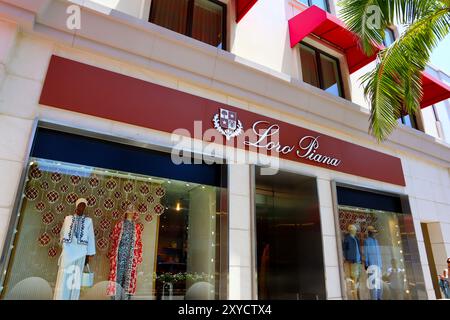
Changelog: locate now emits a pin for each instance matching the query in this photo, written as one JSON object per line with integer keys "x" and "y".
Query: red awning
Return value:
{"x": 242, "y": 7}
{"x": 327, "y": 27}
{"x": 434, "y": 90}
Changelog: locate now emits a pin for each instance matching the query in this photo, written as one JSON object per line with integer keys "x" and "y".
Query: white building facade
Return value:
{"x": 90, "y": 93}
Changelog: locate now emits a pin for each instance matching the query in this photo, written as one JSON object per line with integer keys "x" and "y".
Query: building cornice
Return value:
{"x": 158, "y": 49}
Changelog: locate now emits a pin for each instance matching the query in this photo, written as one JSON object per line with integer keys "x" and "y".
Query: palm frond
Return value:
{"x": 396, "y": 79}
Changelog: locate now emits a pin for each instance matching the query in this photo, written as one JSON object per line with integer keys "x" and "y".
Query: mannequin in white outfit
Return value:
{"x": 78, "y": 245}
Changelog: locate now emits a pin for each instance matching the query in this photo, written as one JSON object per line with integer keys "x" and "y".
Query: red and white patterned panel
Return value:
{"x": 44, "y": 239}
{"x": 52, "y": 252}
{"x": 125, "y": 204}
{"x": 144, "y": 189}
{"x": 31, "y": 193}
{"x": 151, "y": 199}
{"x": 94, "y": 182}
{"x": 142, "y": 208}
{"x": 35, "y": 173}
{"x": 111, "y": 184}
{"x": 82, "y": 189}
{"x": 102, "y": 244}
{"x": 108, "y": 204}
{"x": 92, "y": 201}
{"x": 48, "y": 218}
{"x": 101, "y": 192}
{"x": 128, "y": 187}
{"x": 71, "y": 198}
{"x": 52, "y": 196}
{"x": 60, "y": 208}
{"x": 105, "y": 223}
{"x": 75, "y": 180}
{"x": 158, "y": 209}
{"x": 116, "y": 214}
{"x": 44, "y": 185}
{"x": 56, "y": 229}
{"x": 64, "y": 188}
{"x": 40, "y": 206}
{"x": 98, "y": 212}
{"x": 160, "y": 192}
{"x": 56, "y": 177}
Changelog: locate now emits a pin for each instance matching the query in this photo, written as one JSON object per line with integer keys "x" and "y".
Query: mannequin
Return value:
{"x": 125, "y": 256}
{"x": 352, "y": 260}
{"x": 373, "y": 263}
{"x": 78, "y": 246}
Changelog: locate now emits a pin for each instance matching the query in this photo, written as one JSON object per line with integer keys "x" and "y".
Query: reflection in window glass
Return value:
{"x": 320, "y": 70}
{"x": 408, "y": 120}
{"x": 175, "y": 254}
{"x": 320, "y": 3}
{"x": 309, "y": 66}
{"x": 207, "y": 23}
{"x": 330, "y": 75}
{"x": 380, "y": 255}
{"x": 389, "y": 37}
{"x": 170, "y": 14}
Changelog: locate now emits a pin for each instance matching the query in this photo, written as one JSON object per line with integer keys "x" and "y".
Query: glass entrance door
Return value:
{"x": 289, "y": 241}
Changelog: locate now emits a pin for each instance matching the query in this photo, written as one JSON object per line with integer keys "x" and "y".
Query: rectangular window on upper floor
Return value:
{"x": 204, "y": 20}
{"x": 321, "y": 70}
{"x": 323, "y": 4}
{"x": 389, "y": 37}
{"x": 409, "y": 121}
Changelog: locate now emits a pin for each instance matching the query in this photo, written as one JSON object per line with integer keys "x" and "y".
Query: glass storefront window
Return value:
{"x": 379, "y": 253}
{"x": 177, "y": 251}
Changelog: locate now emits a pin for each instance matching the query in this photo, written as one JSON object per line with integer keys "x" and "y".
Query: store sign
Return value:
{"x": 307, "y": 147}
{"x": 81, "y": 88}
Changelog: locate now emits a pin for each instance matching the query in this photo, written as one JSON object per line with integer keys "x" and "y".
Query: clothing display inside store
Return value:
{"x": 379, "y": 263}
{"x": 139, "y": 234}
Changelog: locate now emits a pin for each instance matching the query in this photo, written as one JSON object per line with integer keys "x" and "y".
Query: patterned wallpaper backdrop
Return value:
{"x": 53, "y": 194}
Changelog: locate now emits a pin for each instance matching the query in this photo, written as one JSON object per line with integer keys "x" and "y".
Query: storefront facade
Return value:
{"x": 91, "y": 113}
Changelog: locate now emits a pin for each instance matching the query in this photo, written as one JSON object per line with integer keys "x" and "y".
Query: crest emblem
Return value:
{"x": 226, "y": 123}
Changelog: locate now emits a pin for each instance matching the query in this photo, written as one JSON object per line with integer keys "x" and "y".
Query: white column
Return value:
{"x": 23, "y": 63}
{"x": 240, "y": 273}
{"x": 330, "y": 248}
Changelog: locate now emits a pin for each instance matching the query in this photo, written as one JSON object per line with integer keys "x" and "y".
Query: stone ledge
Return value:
{"x": 315, "y": 104}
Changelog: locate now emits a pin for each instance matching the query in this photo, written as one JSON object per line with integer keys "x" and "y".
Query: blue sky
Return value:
{"x": 441, "y": 56}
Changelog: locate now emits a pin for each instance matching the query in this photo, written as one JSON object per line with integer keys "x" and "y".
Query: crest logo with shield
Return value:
{"x": 226, "y": 123}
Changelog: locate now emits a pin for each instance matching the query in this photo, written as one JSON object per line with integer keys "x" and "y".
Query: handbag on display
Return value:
{"x": 87, "y": 278}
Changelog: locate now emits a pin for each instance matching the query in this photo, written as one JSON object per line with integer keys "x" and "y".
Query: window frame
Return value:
{"x": 318, "y": 52}
{"x": 414, "y": 121}
{"x": 190, "y": 20}
{"x": 327, "y": 4}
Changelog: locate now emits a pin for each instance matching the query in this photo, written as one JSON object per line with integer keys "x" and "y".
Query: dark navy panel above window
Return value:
{"x": 60, "y": 146}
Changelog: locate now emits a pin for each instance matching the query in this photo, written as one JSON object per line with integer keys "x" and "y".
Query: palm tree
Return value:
{"x": 394, "y": 86}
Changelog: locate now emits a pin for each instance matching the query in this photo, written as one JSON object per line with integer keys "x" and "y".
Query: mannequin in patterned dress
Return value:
{"x": 125, "y": 256}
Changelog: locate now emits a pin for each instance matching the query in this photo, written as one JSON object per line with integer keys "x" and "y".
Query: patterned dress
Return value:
{"x": 124, "y": 261}
{"x": 124, "y": 257}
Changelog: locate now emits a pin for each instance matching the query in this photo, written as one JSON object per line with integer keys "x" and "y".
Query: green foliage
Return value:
{"x": 394, "y": 87}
